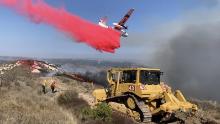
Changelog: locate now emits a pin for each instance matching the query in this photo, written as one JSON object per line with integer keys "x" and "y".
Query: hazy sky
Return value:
{"x": 20, "y": 37}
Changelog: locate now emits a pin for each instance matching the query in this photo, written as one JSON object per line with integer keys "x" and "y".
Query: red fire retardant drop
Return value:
{"x": 102, "y": 39}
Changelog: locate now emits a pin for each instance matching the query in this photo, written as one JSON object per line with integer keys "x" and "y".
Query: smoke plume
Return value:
{"x": 191, "y": 58}
{"x": 102, "y": 39}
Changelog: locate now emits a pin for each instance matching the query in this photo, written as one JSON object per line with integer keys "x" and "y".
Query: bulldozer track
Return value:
{"x": 146, "y": 116}
{"x": 116, "y": 98}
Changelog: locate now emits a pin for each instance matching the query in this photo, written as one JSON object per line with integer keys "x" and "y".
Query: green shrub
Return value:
{"x": 101, "y": 112}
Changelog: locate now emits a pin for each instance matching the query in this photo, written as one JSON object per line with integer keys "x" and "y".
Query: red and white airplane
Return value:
{"x": 120, "y": 26}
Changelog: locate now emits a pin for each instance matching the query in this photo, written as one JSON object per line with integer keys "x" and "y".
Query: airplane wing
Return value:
{"x": 125, "y": 18}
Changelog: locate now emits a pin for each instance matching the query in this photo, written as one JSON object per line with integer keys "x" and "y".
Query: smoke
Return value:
{"x": 190, "y": 57}
{"x": 102, "y": 39}
{"x": 99, "y": 77}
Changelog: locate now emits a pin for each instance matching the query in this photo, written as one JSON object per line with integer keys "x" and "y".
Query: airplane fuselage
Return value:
{"x": 120, "y": 26}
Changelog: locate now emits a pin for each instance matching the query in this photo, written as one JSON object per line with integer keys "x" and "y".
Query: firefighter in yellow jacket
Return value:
{"x": 44, "y": 86}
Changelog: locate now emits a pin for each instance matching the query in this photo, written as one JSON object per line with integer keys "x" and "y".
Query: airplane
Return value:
{"x": 120, "y": 26}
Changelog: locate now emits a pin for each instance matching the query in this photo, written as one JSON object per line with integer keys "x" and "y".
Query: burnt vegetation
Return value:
{"x": 97, "y": 78}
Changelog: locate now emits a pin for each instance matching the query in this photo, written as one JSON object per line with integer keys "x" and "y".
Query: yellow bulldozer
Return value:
{"x": 142, "y": 94}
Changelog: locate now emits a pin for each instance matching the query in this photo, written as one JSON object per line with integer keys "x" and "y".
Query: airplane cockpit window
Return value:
{"x": 129, "y": 76}
{"x": 150, "y": 77}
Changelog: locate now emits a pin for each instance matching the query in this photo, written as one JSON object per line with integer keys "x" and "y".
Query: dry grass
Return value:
{"x": 26, "y": 108}
{"x": 21, "y": 101}
{"x": 71, "y": 101}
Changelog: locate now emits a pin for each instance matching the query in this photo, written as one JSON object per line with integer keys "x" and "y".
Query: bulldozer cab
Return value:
{"x": 123, "y": 80}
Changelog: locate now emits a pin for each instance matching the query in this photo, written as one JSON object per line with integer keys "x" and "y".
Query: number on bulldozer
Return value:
{"x": 131, "y": 87}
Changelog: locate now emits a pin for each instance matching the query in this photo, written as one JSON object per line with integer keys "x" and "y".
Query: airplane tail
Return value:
{"x": 103, "y": 22}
